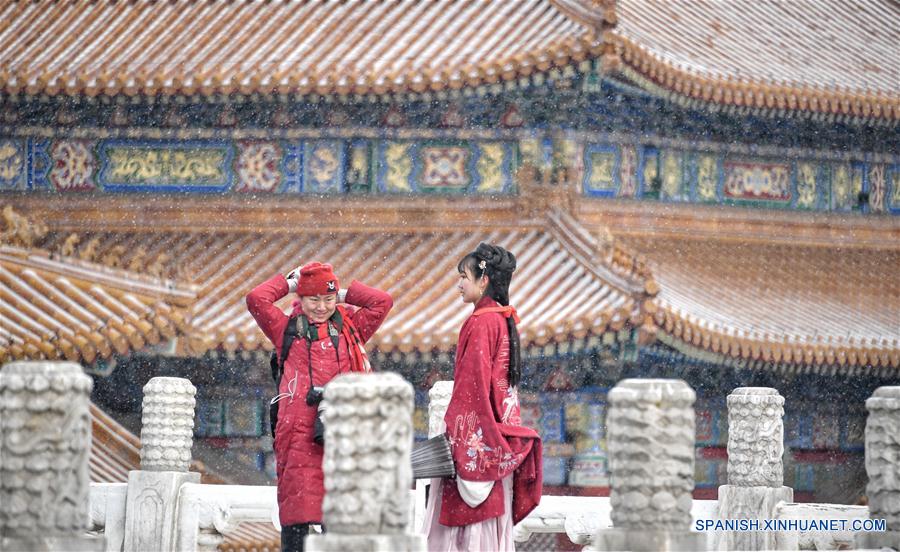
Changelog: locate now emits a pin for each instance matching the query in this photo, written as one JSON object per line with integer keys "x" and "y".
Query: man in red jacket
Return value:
{"x": 329, "y": 342}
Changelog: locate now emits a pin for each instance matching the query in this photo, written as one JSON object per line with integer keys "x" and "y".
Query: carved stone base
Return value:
{"x": 878, "y": 541}
{"x": 150, "y": 509}
{"x": 749, "y": 503}
{"x": 647, "y": 541}
{"x": 365, "y": 543}
{"x": 54, "y": 544}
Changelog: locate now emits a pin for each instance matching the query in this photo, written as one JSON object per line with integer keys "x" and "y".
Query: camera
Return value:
{"x": 314, "y": 397}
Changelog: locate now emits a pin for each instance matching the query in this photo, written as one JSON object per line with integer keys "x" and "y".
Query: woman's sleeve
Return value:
{"x": 470, "y": 419}
{"x": 261, "y": 304}
{"x": 374, "y": 307}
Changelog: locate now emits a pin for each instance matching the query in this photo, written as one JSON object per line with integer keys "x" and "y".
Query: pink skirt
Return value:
{"x": 495, "y": 534}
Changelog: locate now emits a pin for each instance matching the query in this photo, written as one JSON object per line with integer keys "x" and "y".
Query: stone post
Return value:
{"x": 755, "y": 467}
{"x": 167, "y": 418}
{"x": 650, "y": 437}
{"x": 438, "y": 401}
{"x": 45, "y": 441}
{"x": 368, "y": 441}
{"x": 883, "y": 468}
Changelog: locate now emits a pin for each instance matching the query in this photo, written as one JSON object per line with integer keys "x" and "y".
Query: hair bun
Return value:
{"x": 497, "y": 258}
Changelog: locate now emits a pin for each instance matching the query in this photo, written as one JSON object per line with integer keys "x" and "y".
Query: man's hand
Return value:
{"x": 293, "y": 278}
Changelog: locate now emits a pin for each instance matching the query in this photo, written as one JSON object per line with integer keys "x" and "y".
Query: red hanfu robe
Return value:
{"x": 484, "y": 427}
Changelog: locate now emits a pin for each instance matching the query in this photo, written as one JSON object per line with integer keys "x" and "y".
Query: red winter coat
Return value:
{"x": 484, "y": 427}
{"x": 298, "y": 460}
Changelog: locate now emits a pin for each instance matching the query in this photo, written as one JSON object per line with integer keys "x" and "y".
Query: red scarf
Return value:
{"x": 359, "y": 359}
{"x": 506, "y": 311}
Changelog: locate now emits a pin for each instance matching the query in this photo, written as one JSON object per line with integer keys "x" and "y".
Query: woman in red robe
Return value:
{"x": 498, "y": 461}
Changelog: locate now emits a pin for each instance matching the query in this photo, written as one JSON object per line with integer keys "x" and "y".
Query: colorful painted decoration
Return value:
{"x": 73, "y": 165}
{"x": 707, "y": 178}
{"x": 490, "y": 167}
{"x": 672, "y": 175}
{"x": 12, "y": 165}
{"x": 419, "y": 165}
{"x": 324, "y": 166}
{"x": 756, "y": 181}
{"x": 877, "y": 188}
{"x": 257, "y": 167}
{"x": 445, "y": 167}
{"x": 397, "y": 166}
{"x": 806, "y": 185}
{"x": 512, "y": 118}
{"x": 157, "y": 165}
{"x": 846, "y": 184}
{"x": 895, "y": 188}
{"x": 628, "y": 172}
{"x": 589, "y": 470}
{"x": 600, "y": 170}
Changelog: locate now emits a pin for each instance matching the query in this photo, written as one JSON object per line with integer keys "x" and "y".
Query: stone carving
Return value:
{"x": 368, "y": 441}
{"x": 882, "y": 454}
{"x": 755, "y": 437}
{"x": 368, "y": 436}
{"x": 650, "y": 438}
{"x": 651, "y": 454}
{"x": 755, "y": 468}
{"x": 45, "y": 438}
{"x": 438, "y": 401}
{"x": 167, "y": 430}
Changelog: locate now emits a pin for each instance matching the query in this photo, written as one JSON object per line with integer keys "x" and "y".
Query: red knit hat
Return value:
{"x": 317, "y": 279}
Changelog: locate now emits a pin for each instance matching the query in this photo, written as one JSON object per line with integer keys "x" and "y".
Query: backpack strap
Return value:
{"x": 290, "y": 332}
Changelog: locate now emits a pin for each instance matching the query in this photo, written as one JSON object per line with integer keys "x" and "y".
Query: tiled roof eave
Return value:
{"x": 64, "y": 309}
{"x": 774, "y": 349}
{"x": 564, "y": 53}
{"x": 655, "y": 74}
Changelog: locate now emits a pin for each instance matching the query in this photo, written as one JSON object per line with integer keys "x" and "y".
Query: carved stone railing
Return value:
{"x": 368, "y": 473}
{"x": 203, "y": 514}
{"x": 883, "y": 467}
{"x": 206, "y": 513}
{"x": 107, "y": 513}
{"x": 650, "y": 437}
{"x": 841, "y": 539}
{"x": 167, "y": 436}
{"x": 755, "y": 466}
{"x": 580, "y": 517}
{"x": 45, "y": 440}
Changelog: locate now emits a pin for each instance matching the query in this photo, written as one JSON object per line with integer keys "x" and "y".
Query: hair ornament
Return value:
{"x": 482, "y": 265}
